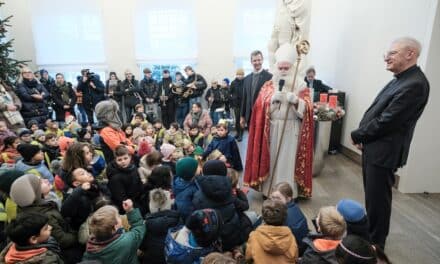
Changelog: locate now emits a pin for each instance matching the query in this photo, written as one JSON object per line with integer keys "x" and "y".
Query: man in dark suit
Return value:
{"x": 252, "y": 84}
{"x": 386, "y": 129}
{"x": 317, "y": 85}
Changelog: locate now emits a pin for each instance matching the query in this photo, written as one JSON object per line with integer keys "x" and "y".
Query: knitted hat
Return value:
{"x": 147, "y": 70}
{"x": 38, "y": 133}
{"x": 144, "y": 148}
{"x": 204, "y": 225}
{"x": 215, "y": 167}
{"x": 239, "y": 72}
{"x": 286, "y": 53}
{"x": 26, "y": 190}
{"x": 186, "y": 168}
{"x": 226, "y": 80}
{"x": 81, "y": 132}
{"x": 31, "y": 122}
{"x": 7, "y": 177}
{"x": 28, "y": 151}
{"x": 42, "y": 71}
{"x": 351, "y": 210}
{"x": 198, "y": 151}
{"x": 160, "y": 200}
{"x": 166, "y": 150}
{"x": 24, "y": 131}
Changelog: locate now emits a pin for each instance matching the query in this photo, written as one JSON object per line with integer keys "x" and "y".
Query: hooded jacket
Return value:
{"x": 39, "y": 168}
{"x": 216, "y": 192}
{"x": 123, "y": 249}
{"x": 184, "y": 192}
{"x": 47, "y": 252}
{"x": 319, "y": 250}
{"x": 157, "y": 225}
{"x": 272, "y": 244}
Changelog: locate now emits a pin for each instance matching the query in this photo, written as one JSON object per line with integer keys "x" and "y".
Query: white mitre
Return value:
{"x": 286, "y": 53}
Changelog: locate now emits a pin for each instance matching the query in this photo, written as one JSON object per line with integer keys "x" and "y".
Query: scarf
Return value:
{"x": 196, "y": 117}
{"x": 64, "y": 92}
{"x": 30, "y": 83}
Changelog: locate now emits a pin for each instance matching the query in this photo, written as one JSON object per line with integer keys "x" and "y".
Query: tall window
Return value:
{"x": 67, "y": 34}
{"x": 165, "y": 33}
{"x": 254, "y": 23}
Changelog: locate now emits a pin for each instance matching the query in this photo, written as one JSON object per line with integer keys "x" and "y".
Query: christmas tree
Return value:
{"x": 9, "y": 67}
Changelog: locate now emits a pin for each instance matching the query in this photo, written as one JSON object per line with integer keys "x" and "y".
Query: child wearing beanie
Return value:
{"x": 32, "y": 161}
{"x": 355, "y": 216}
{"x": 215, "y": 191}
{"x": 272, "y": 242}
{"x": 198, "y": 238}
{"x": 184, "y": 186}
{"x": 167, "y": 151}
{"x": 26, "y": 192}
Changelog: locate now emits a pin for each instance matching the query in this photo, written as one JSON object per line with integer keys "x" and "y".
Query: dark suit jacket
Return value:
{"x": 248, "y": 100}
{"x": 388, "y": 125}
{"x": 319, "y": 87}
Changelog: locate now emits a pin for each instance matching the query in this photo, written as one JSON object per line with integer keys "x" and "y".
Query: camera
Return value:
{"x": 91, "y": 76}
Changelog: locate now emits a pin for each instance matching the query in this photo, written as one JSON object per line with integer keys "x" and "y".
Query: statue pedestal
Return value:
{"x": 321, "y": 143}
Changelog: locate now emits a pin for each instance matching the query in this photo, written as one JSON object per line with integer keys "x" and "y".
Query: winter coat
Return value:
{"x": 157, "y": 225}
{"x": 178, "y": 253}
{"x": 236, "y": 91}
{"x": 319, "y": 250}
{"x": 50, "y": 154}
{"x": 216, "y": 95}
{"x": 150, "y": 89}
{"x": 124, "y": 183}
{"x": 297, "y": 223}
{"x": 200, "y": 84}
{"x": 33, "y": 108}
{"x": 79, "y": 204}
{"x": 271, "y": 244}
{"x": 115, "y": 137}
{"x": 130, "y": 91}
{"x": 124, "y": 248}
{"x": 164, "y": 88}
{"x": 44, "y": 253}
{"x": 13, "y": 120}
{"x": 229, "y": 148}
{"x": 59, "y": 103}
{"x": 38, "y": 169}
{"x": 204, "y": 124}
{"x": 61, "y": 231}
{"x": 91, "y": 96}
{"x": 216, "y": 192}
{"x": 241, "y": 205}
{"x": 184, "y": 192}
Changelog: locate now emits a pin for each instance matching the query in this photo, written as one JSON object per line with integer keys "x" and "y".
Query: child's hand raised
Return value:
{"x": 127, "y": 205}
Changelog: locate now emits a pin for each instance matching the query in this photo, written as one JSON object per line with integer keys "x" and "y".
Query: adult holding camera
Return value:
{"x": 33, "y": 96}
{"x": 92, "y": 90}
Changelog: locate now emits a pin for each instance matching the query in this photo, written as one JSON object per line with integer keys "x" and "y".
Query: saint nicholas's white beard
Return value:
{"x": 288, "y": 79}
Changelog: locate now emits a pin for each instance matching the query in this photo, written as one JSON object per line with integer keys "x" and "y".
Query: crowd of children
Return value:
{"x": 140, "y": 192}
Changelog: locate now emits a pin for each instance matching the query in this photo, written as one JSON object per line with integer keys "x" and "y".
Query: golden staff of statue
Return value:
{"x": 302, "y": 48}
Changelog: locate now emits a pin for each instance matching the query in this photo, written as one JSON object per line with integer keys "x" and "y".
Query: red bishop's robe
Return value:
{"x": 258, "y": 154}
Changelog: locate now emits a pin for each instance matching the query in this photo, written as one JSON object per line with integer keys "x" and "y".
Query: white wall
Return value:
{"x": 424, "y": 162}
{"x": 214, "y": 23}
{"x": 348, "y": 39}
